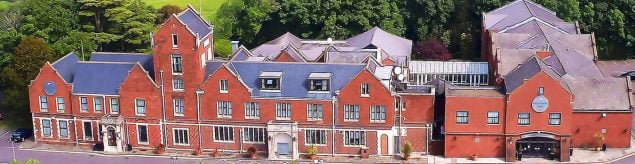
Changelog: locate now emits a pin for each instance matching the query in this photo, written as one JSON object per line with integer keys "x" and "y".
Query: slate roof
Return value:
{"x": 517, "y": 12}
{"x": 527, "y": 70}
{"x": 294, "y": 83}
{"x": 599, "y": 93}
{"x": 66, "y": 66}
{"x": 144, "y": 59}
{"x": 616, "y": 68}
{"x": 394, "y": 45}
{"x": 100, "y": 77}
{"x": 241, "y": 54}
{"x": 212, "y": 66}
{"x": 192, "y": 19}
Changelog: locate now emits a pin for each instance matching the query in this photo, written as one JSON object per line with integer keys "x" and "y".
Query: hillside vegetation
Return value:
{"x": 209, "y": 7}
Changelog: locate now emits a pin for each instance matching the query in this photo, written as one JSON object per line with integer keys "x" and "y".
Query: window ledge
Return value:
{"x": 273, "y": 91}
{"x": 363, "y": 95}
{"x": 351, "y": 120}
{"x": 252, "y": 118}
{"x": 223, "y": 116}
{"x": 224, "y": 91}
{"x": 283, "y": 119}
{"x": 217, "y": 141}
{"x": 314, "y": 119}
{"x": 247, "y": 142}
{"x": 143, "y": 143}
{"x": 354, "y": 145}
{"x": 377, "y": 121}
{"x": 181, "y": 144}
{"x": 308, "y": 144}
{"x": 319, "y": 92}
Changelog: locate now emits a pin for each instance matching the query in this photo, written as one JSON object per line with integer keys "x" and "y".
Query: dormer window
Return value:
{"x": 270, "y": 80}
{"x": 319, "y": 81}
{"x": 175, "y": 41}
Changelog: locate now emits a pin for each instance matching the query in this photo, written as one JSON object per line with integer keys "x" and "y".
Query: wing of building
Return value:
{"x": 539, "y": 91}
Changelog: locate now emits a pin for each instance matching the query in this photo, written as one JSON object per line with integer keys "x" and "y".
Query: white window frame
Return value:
{"x": 351, "y": 112}
{"x": 179, "y": 108}
{"x": 187, "y": 135}
{"x": 559, "y": 119}
{"x": 314, "y": 112}
{"x": 172, "y": 40}
{"x": 283, "y": 111}
{"x": 224, "y": 109}
{"x": 365, "y": 90}
{"x": 114, "y": 105}
{"x": 323, "y": 137}
{"x": 61, "y": 105}
{"x": 50, "y": 127}
{"x": 173, "y": 64}
{"x": 400, "y": 104}
{"x": 44, "y": 107}
{"x": 136, "y": 109}
{"x": 459, "y": 121}
{"x": 92, "y": 134}
{"x": 257, "y": 135}
{"x": 83, "y": 106}
{"x": 252, "y": 110}
{"x": 223, "y": 86}
{"x": 497, "y": 118}
{"x": 139, "y": 135}
{"x": 377, "y": 115}
{"x": 362, "y": 134}
{"x": 101, "y": 105}
{"x": 59, "y": 129}
{"x": 325, "y": 82}
{"x": 265, "y": 89}
{"x": 226, "y": 129}
{"x": 176, "y": 86}
{"x": 518, "y": 119}
{"x": 203, "y": 60}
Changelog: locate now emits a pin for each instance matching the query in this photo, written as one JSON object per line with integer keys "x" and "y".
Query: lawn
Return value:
{"x": 208, "y": 10}
{"x": 5, "y": 5}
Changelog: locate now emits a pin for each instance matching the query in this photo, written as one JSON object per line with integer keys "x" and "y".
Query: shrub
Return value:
{"x": 407, "y": 148}
{"x": 312, "y": 150}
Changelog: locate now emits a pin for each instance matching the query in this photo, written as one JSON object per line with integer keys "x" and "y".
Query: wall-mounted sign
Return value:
{"x": 544, "y": 135}
{"x": 540, "y": 103}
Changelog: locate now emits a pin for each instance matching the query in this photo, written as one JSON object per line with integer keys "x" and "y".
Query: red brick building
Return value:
{"x": 343, "y": 96}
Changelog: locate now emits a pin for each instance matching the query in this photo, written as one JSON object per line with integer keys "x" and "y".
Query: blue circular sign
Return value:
{"x": 50, "y": 88}
{"x": 540, "y": 103}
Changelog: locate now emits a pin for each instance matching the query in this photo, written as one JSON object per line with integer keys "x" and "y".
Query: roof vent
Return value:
{"x": 234, "y": 45}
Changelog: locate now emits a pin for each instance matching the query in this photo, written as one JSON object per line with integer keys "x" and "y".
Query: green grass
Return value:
{"x": 208, "y": 10}
{"x": 4, "y": 5}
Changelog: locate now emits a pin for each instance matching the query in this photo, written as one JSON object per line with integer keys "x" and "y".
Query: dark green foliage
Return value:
{"x": 166, "y": 11}
{"x": 30, "y": 55}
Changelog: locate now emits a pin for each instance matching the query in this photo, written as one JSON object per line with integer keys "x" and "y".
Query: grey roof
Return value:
{"x": 294, "y": 83}
{"x": 241, "y": 54}
{"x": 392, "y": 44}
{"x": 294, "y": 53}
{"x": 347, "y": 56}
{"x": 520, "y": 11}
{"x": 212, "y": 66}
{"x": 144, "y": 59}
{"x": 66, "y": 66}
{"x": 100, "y": 77}
{"x": 616, "y": 68}
{"x": 599, "y": 93}
{"x": 527, "y": 70}
{"x": 194, "y": 22}
{"x": 272, "y": 48}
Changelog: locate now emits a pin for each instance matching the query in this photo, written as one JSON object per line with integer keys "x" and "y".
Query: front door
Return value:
{"x": 384, "y": 144}
{"x": 283, "y": 149}
{"x": 112, "y": 137}
{"x": 538, "y": 147}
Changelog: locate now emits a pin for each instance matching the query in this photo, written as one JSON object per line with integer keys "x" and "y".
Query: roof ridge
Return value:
{"x": 120, "y": 53}
{"x": 104, "y": 62}
{"x": 300, "y": 63}
{"x": 63, "y": 57}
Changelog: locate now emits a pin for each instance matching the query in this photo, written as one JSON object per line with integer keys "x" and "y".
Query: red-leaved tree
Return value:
{"x": 431, "y": 49}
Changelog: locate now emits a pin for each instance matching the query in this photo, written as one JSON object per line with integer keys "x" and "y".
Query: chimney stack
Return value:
{"x": 234, "y": 45}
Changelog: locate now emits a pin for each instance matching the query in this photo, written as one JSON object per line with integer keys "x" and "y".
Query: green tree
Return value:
{"x": 29, "y": 56}
{"x": 50, "y": 20}
{"x": 166, "y": 11}
{"x": 132, "y": 22}
{"x": 429, "y": 19}
{"x": 242, "y": 19}
{"x": 340, "y": 19}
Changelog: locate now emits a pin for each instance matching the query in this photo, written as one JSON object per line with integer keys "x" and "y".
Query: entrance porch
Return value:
{"x": 283, "y": 140}
{"x": 112, "y": 133}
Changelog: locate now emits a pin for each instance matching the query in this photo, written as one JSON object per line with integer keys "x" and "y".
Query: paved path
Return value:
{"x": 6, "y": 156}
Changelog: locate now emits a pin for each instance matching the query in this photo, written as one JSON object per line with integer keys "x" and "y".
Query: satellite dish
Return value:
{"x": 397, "y": 70}
{"x": 401, "y": 77}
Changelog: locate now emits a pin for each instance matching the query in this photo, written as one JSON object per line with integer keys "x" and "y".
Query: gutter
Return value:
{"x": 198, "y": 118}
{"x": 333, "y": 110}
{"x": 162, "y": 122}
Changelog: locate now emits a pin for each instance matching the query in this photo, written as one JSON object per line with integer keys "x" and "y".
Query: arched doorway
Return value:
{"x": 538, "y": 147}
{"x": 284, "y": 145}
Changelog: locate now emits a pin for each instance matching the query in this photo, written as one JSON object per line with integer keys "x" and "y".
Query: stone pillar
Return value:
{"x": 510, "y": 149}
{"x": 565, "y": 144}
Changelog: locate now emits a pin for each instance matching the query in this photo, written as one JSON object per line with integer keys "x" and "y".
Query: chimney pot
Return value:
{"x": 234, "y": 45}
